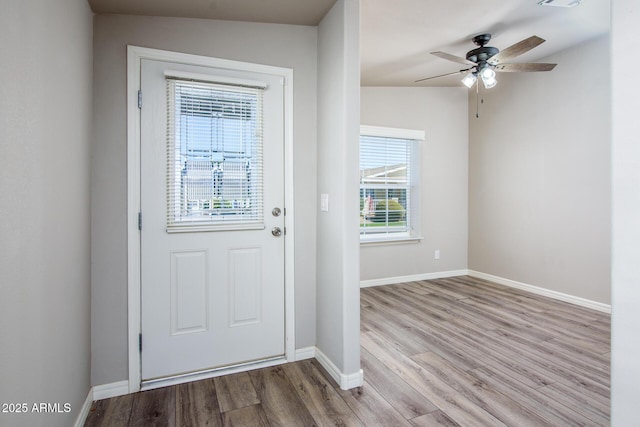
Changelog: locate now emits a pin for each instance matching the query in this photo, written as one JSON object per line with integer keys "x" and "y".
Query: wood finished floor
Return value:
{"x": 447, "y": 352}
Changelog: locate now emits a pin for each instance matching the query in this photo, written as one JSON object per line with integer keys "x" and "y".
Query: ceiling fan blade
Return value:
{"x": 450, "y": 57}
{"x": 516, "y": 68}
{"x": 442, "y": 75}
{"x": 516, "y": 50}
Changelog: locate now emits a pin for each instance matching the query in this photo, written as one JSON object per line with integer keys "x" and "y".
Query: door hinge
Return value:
{"x": 140, "y": 342}
{"x": 140, "y": 221}
{"x": 140, "y": 99}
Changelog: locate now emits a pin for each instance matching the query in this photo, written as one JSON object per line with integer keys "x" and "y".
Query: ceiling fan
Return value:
{"x": 485, "y": 61}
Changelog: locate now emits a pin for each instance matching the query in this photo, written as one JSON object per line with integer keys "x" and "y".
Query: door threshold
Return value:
{"x": 211, "y": 373}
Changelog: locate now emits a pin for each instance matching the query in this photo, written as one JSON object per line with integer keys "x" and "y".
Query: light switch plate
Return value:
{"x": 324, "y": 202}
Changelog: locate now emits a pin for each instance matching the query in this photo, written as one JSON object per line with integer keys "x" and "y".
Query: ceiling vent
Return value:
{"x": 560, "y": 3}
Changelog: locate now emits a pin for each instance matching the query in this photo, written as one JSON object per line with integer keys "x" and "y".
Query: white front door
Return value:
{"x": 212, "y": 202}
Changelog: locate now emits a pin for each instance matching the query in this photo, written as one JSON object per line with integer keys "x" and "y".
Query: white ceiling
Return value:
{"x": 397, "y": 36}
{"x": 296, "y": 12}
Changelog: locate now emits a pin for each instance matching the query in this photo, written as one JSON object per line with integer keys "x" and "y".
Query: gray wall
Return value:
{"x": 540, "y": 176}
{"x": 442, "y": 114}
{"x": 279, "y": 45}
{"x": 45, "y": 133}
{"x": 625, "y": 369}
{"x": 338, "y": 321}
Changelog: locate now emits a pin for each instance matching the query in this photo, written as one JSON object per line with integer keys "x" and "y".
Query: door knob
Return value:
{"x": 276, "y": 212}
{"x": 276, "y": 231}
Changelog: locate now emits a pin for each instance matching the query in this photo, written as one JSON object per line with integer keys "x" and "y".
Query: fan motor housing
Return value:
{"x": 481, "y": 54}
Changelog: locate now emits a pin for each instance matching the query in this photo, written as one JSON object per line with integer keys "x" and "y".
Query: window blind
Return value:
{"x": 385, "y": 184}
{"x": 214, "y": 156}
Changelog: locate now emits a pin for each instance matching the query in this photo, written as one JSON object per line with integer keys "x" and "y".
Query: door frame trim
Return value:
{"x": 135, "y": 55}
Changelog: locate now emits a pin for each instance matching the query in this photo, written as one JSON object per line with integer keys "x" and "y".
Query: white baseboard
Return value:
{"x": 352, "y": 380}
{"x": 412, "y": 278}
{"x": 305, "y": 353}
{"x": 583, "y": 302}
{"x": 100, "y": 392}
{"x": 84, "y": 411}
{"x": 121, "y": 388}
{"x": 346, "y": 381}
{"x": 106, "y": 391}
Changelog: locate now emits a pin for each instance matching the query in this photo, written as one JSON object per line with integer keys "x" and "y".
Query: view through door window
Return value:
{"x": 214, "y": 155}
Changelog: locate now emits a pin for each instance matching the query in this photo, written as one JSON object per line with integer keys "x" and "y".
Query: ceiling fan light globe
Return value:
{"x": 489, "y": 82}
{"x": 488, "y": 73}
{"x": 469, "y": 80}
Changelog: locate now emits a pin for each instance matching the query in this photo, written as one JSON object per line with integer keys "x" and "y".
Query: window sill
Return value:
{"x": 400, "y": 240}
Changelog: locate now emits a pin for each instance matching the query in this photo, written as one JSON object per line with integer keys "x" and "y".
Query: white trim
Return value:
{"x": 352, "y": 380}
{"x": 135, "y": 55}
{"x": 375, "y": 240}
{"x": 412, "y": 278}
{"x": 206, "y": 78}
{"x": 387, "y": 132}
{"x": 346, "y": 381}
{"x": 583, "y": 302}
{"x": 84, "y": 410}
{"x": 211, "y": 228}
{"x": 305, "y": 353}
{"x": 288, "y": 211}
{"x": 106, "y": 391}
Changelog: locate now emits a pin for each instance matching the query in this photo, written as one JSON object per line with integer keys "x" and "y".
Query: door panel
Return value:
{"x": 212, "y": 292}
{"x": 245, "y": 286}
{"x": 189, "y": 289}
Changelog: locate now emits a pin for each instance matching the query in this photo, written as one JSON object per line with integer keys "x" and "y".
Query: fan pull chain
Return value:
{"x": 479, "y": 99}
{"x": 477, "y": 96}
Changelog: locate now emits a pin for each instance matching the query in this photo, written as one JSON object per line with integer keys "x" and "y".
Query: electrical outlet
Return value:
{"x": 436, "y": 254}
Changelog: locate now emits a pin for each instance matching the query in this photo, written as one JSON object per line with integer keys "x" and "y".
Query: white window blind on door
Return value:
{"x": 214, "y": 156}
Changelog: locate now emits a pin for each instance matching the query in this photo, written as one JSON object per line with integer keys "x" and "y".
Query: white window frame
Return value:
{"x": 412, "y": 235}
{"x": 177, "y": 220}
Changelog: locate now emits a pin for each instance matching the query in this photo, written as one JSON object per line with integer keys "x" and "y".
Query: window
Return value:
{"x": 214, "y": 152}
{"x": 389, "y": 176}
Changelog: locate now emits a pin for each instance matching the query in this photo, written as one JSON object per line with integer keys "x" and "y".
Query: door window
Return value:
{"x": 214, "y": 156}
